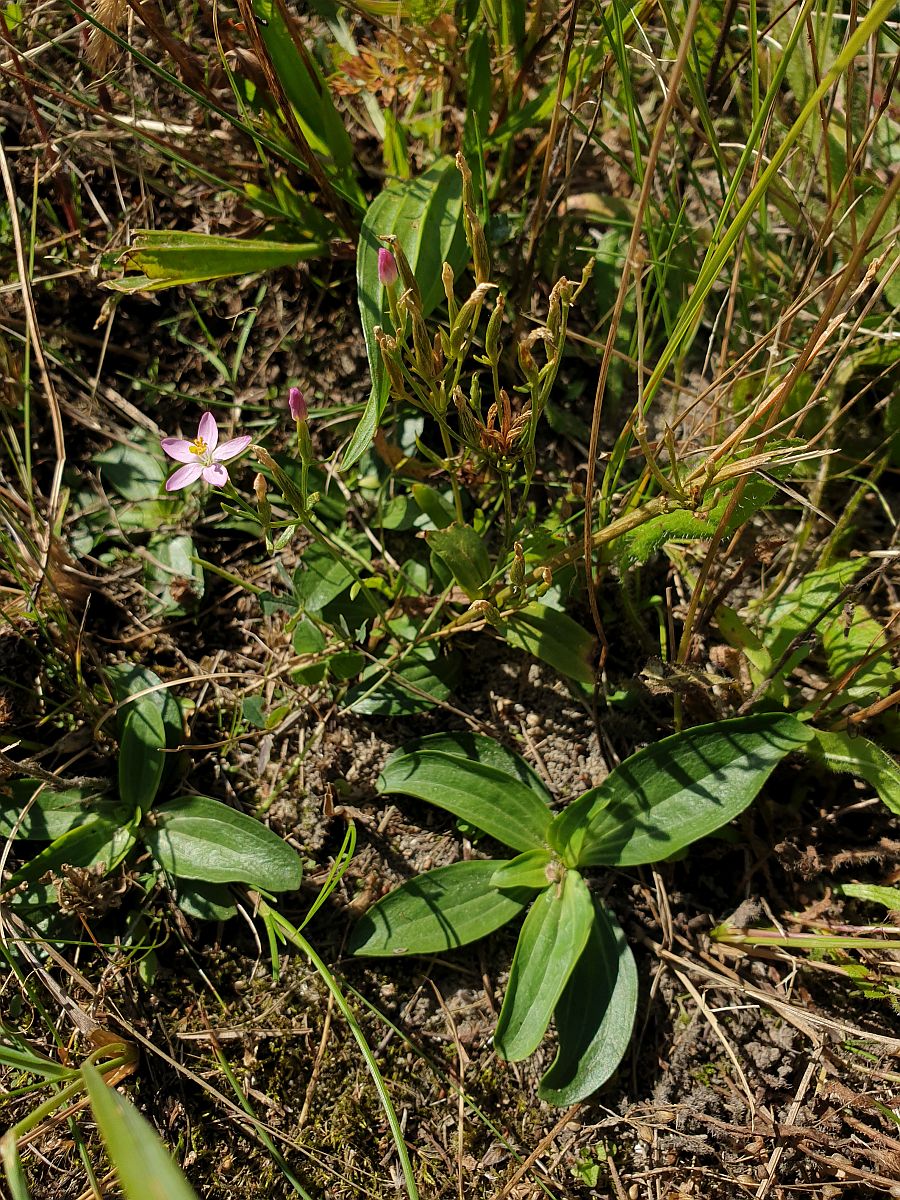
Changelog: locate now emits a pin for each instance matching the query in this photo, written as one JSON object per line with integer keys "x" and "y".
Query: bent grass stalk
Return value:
{"x": 279, "y": 926}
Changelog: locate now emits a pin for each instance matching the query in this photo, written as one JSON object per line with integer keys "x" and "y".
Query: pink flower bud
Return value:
{"x": 387, "y": 268}
{"x": 297, "y": 404}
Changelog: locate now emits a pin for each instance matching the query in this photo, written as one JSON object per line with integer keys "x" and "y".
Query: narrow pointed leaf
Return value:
{"x": 141, "y": 759}
{"x": 552, "y": 939}
{"x": 595, "y": 1014}
{"x": 675, "y": 791}
{"x": 437, "y": 911}
{"x": 456, "y": 772}
{"x": 141, "y": 1162}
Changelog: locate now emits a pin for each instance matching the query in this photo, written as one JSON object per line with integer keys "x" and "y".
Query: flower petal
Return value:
{"x": 179, "y": 449}
{"x": 184, "y": 475}
{"x": 209, "y": 430}
{"x": 215, "y": 474}
{"x": 232, "y": 449}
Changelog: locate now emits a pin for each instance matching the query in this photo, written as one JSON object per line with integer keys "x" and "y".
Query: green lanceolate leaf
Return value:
{"x": 528, "y": 870}
{"x": 164, "y": 259}
{"x": 425, "y": 214}
{"x": 101, "y": 839}
{"x": 196, "y": 837}
{"x": 143, "y": 1166}
{"x": 40, "y": 815}
{"x": 552, "y": 939}
{"x": 420, "y": 681}
{"x": 437, "y": 911}
{"x": 553, "y": 637}
{"x": 320, "y": 578}
{"x": 675, "y": 791}
{"x": 595, "y": 1014}
{"x": 141, "y": 759}
{"x": 463, "y": 551}
{"x": 874, "y": 893}
{"x": 856, "y": 755}
{"x": 457, "y": 772}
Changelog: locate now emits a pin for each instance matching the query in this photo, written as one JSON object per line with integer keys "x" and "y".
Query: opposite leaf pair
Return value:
{"x": 572, "y": 962}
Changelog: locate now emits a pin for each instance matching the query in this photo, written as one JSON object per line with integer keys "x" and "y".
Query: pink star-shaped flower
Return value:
{"x": 203, "y": 456}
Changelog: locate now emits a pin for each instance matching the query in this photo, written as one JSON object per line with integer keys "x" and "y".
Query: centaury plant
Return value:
{"x": 572, "y": 963}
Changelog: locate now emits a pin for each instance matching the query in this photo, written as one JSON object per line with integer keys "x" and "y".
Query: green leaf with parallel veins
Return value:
{"x": 551, "y": 942}
{"x": 678, "y": 790}
{"x": 456, "y": 772}
{"x": 528, "y": 870}
{"x": 553, "y": 637}
{"x": 855, "y": 755}
{"x": 463, "y": 551}
{"x": 319, "y": 579}
{"x": 595, "y": 1014}
{"x": 98, "y": 840}
{"x": 48, "y": 815}
{"x": 420, "y": 681}
{"x": 141, "y": 758}
{"x": 165, "y": 259}
{"x": 425, "y": 214}
{"x": 196, "y": 837}
{"x": 437, "y": 911}
{"x": 141, "y": 1162}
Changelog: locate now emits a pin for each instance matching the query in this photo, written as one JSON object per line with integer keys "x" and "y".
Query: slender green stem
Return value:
{"x": 288, "y": 931}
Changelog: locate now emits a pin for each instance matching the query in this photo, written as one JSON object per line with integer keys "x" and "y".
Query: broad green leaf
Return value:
{"x": 206, "y": 901}
{"x": 320, "y": 578}
{"x": 468, "y": 747}
{"x": 165, "y": 259}
{"x": 445, "y": 770}
{"x": 875, "y": 893}
{"x": 141, "y": 1162}
{"x": 127, "y": 679}
{"x": 433, "y": 505}
{"x": 98, "y": 840}
{"x": 437, "y": 911}
{"x": 595, "y": 1014}
{"x": 425, "y": 215}
{"x": 132, "y": 473}
{"x": 141, "y": 759}
{"x": 552, "y": 939}
{"x": 528, "y": 870}
{"x": 171, "y": 574}
{"x": 196, "y": 837}
{"x": 381, "y": 694}
{"x": 856, "y": 755}
{"x": 464, "y": 552}
{"x": 675, "y": 791}
{"x": 49, "y": 815}
{"x": 554, "y": 638}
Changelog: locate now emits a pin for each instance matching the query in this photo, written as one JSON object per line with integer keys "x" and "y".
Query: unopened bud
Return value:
{"x": 402, "y": 264}
{"x": 260, "y": 488}
{"x": 448, "y": 279}
{"x": 489, "y": 612}
{"x": 492, "y": 337}
{"x": 517, "y": 571}
{"x": 387, "y": 268}
{"x": 297, "y": 404}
